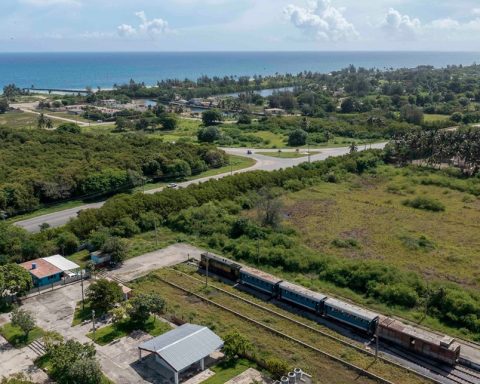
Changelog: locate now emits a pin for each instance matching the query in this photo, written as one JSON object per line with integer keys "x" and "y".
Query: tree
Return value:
{"x": 73, "y": 362}
{"x": 68, "y": 243}
{"x": 85, "y": 371}
{"x": 411, "y": 114}
{"x": 269, "y": 208}
{"x": 348, "y": 105}
{"x": 236, "y": 345}
{"x": 44, "y": 122}
{"x": 244, "y": 119}
{"x": 69, "y": 128}
{"x": 11, "y": 90}
{"x": 103, "y": 295}
{"x": 142, "y": 305}
{"x": 14, "y": 280}
{"x": 212, "y": 117}
{"x": 297, "y": 138}
{"x": 23, "y": 319}
{"x": 169, "y": 122}
{"x": 208, "y": 134}
{"x": 117, "y": 248}
{"x": 118, "y": 314}
{"x": 353, "y": 147}
{"x": 3, "y": 105}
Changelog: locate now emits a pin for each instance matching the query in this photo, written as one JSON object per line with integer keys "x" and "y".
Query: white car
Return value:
{"x": 172, "y": 185}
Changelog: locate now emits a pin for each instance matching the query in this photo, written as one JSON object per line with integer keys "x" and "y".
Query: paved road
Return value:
{"x": 31, "y": 108}
{"x": 263, "y": 162}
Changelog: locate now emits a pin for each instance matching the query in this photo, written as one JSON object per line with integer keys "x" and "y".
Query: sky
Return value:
{"x": 239, "y": 25}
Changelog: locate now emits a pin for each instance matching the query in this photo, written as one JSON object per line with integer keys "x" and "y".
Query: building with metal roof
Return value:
{"x": 183, "y": 348}
{"x": 62, "y": 263}
{"x": 50, "y": 270}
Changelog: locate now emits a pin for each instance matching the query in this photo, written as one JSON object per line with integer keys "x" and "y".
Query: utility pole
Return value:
{"x": 93, "y": 322}
{"x": 156, "y": 233}
{"x": 83, "y": 298}
{"x": 206, "y": 270}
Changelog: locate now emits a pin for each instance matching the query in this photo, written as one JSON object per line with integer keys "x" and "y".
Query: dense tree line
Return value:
{"x": 459, "y": 147}
{"x": 211, "y": 211}
{"x": 43, "y": 167}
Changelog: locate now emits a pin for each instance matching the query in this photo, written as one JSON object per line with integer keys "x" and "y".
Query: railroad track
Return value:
{"x": 451, "y": 375}
{"x": 282, "y": 334}
{"x": 466, "y": 376}
{"x": 368, "y": 356}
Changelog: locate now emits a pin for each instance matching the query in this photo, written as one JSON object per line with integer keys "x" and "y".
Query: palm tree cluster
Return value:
{"x": 459, "y": 148}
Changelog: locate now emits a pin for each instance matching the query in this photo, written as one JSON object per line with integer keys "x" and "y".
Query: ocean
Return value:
{"x": 79, "y": 70}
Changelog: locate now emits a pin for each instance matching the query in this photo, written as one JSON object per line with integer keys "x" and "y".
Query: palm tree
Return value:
{"x": 353, "y": 147}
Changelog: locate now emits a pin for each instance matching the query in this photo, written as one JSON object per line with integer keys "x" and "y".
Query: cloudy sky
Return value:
{"x": 238, "y": 25}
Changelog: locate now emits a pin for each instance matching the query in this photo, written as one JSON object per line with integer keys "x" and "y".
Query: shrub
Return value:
{"x": 277, "y": 367}
{"x": 345, "y": 243}
{"x": 425, "y": 203}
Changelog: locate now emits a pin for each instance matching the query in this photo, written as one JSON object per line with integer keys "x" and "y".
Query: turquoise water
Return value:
{"x": 78, "y": 70}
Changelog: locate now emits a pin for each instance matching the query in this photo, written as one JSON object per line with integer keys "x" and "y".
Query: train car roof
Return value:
{"x": 260, "y": 275}
{"x": 303, "y": 291}
{"x": 220, "y": 258}
{"x": 418, "y": 333}
{"x": 352, "y": 309}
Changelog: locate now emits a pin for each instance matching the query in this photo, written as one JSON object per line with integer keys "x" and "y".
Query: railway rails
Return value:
{"x": 360, "y": 359}
{"x": 439, "y": 373}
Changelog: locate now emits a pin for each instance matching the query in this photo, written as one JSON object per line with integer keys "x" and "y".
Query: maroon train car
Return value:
{"x": 441, "y": 348}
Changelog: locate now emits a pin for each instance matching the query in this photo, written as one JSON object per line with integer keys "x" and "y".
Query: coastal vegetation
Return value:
{"x": 64, "y": 164}
{"x": 277, "y": 221}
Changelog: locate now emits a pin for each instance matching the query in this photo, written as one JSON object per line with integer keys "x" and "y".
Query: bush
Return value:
{"x": 425, "y": 203}
{"x": 277, "y": 367}
{"x": 103, "y": 295}
{"x": 208, "y": 134}
{"x": 297, "y": 138}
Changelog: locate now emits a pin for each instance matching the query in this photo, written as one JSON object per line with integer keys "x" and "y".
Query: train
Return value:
{"x": 418, "y": 341}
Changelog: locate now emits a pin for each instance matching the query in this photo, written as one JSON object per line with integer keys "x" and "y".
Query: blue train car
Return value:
{"x": 302, "y": 296}
{"x": 352, "y": 315}
{"x": 260, "y": 280}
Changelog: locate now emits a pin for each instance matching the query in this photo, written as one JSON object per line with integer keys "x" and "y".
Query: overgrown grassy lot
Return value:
{"x": 109, "y": 333}
{"x": 227, "y": 370}
{"x": 15, "y": 336}
{"x": 22, "y": 120}
{"x": 266, "y": 344}
{"x": 368, "y": 218}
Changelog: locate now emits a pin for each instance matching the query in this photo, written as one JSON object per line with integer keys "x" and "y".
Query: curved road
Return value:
{"x": 265, "y": 163}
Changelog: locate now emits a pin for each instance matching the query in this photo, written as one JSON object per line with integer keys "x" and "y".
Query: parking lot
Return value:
{"x": 54, "y": 311}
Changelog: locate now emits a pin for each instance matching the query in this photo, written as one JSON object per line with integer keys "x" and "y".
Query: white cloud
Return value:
{"x": 47, "y": 3}
{"x": 401, "y": 27}
{"x": 321, "y": 21}
{"x": 447, "y": 23}
{"x": 151, "y": 28}
{"x": 126, "y": 30}
{"x": 476, "y": 11}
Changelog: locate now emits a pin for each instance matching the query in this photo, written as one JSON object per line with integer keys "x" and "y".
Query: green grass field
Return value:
{"x": 225, "y": 371}
{"x": 106, "y": 335}
{"x": 435, "y": 117}
{"x": 15, "y": 336}
{"x": 369, "y": 211}
{"x": 20, "y": 120}
{"x": 266, "y": 344}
